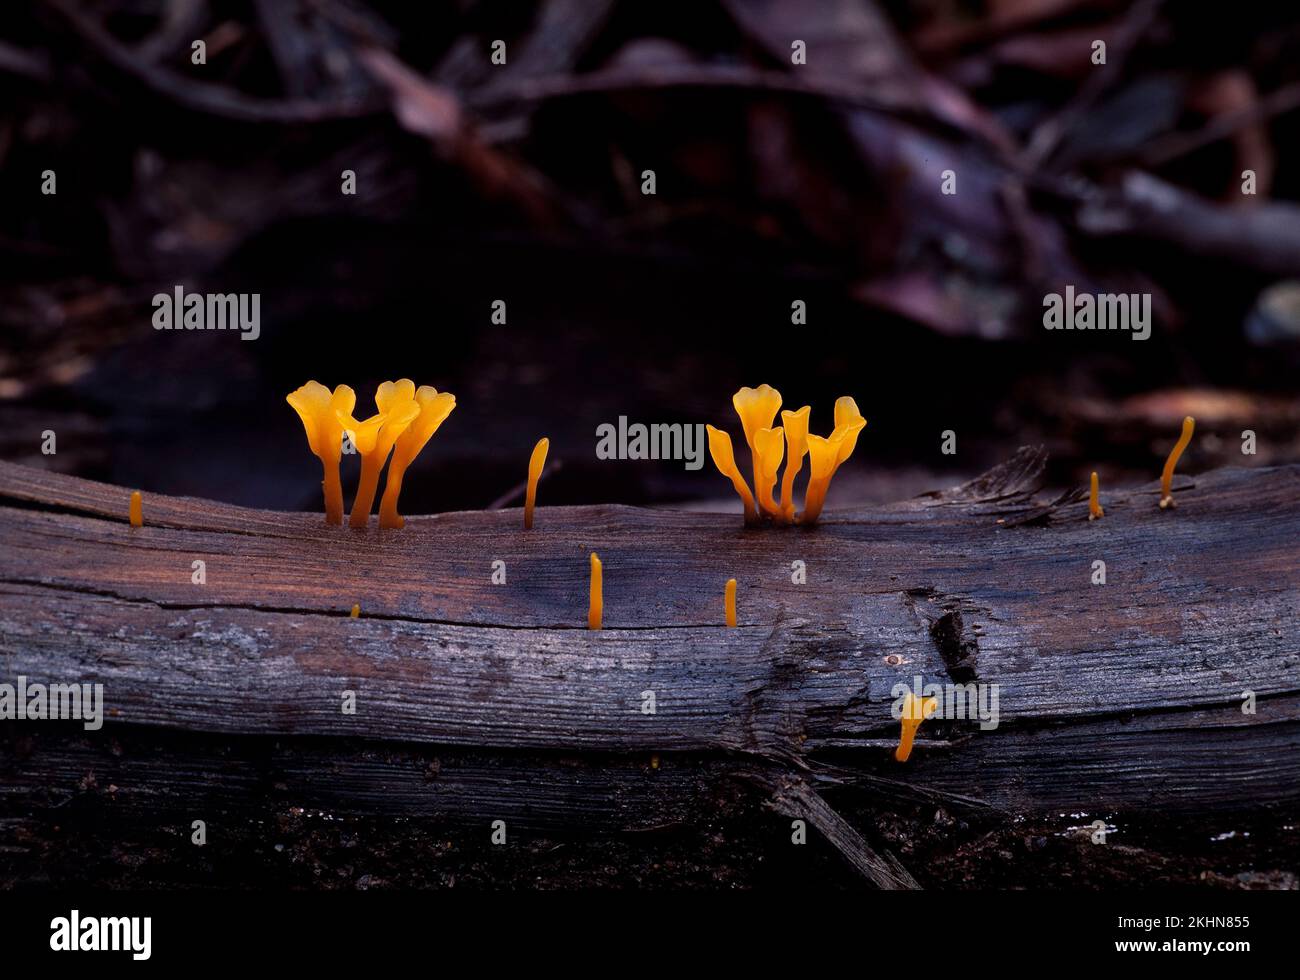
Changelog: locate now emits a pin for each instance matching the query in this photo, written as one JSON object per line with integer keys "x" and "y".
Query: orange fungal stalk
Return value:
{"x": 769, "y": 450}
{"x": 536, "y": 463}
{"x": 729, "y": 601}
{"x": 757, "y": 408}
{"x": 137, "y": 509}
{"x": 596, "y": 602}
{"x": 725, "y": 460}
{"x": 915, "y": 711}
{"x": 1094, "y": 500}
{"x": 375, "y": 437}
{"x": 320, "y": 411}
{"x": 433, "y": 408}
{"x": 796, "y": 442}
{"x": 1167, "y": 477}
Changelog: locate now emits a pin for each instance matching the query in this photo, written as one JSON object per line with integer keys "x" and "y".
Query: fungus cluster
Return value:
{"x": 789, "y": 442}
{"x": 407, "y": 419}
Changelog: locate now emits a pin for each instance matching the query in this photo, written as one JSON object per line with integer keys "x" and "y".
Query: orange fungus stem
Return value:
{"x": 596, "y": 607}
{"x": 536, "y": 463}
{"x": 1167, "y": 477}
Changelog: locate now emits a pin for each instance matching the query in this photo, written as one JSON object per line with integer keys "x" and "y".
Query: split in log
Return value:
{"x": 1118, "y": 697}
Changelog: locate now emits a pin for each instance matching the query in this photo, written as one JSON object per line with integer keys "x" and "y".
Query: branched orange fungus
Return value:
{"x": 374, "y": 439}
{"x": 1094, "y": 500}
{"x": 796, "y": 443}
{"x": 536, "y": 463}
{"x": 915, "y": 711}
{"x": 596, "y": 602}
{"x": 725, "y": 460}
{"x": 789, "y": 442}
{"x": 434, "y": 407}
{"x": 137, "y": 509}
{"x": 1167, "y": 477}
{"x": 320, "y": 411}
{"x": 729, "y": 601}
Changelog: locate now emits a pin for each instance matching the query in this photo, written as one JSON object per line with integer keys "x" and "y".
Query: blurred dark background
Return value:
{"x": 776, "y": 182}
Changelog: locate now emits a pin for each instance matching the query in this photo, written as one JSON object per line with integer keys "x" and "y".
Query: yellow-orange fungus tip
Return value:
{"x": 795, "y": 425}
{"x": 654, "y": 762}
{"x": 536, "y": 463}
{"x": 915, "y": 711}
{"x": 596, "y": 607}
{"x": 1167, "y": 477}
{"x": 375, "y": 437}
{"x": 730, "y": 602}
{"x": 724, "y": 459}
{"x": 356, "y": 611}
{"x": 137, "y": 509}
{"x": 1094, "y": 500}
{"x": 320, "y": 409}
{"x": 432, "y": 407}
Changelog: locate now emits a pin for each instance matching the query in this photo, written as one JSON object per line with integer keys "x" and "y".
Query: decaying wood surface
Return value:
{"x": 1123, "y": 696}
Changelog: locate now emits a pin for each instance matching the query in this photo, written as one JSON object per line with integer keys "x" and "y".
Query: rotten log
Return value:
{"x": 1122, "y": 697}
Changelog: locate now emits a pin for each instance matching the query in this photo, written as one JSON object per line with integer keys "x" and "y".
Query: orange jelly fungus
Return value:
{"x": 596, "y": 605}
{"x": 725, "y": 460}
{"x": 434, "y": 407}
{"x": 137, "y": 509}
{"x": 1167, "y": 477}
{"x": 1094, "y": 500}
{"x": 319, "y": 411}
{"x": 789, "y": 442}
{"x": 356, "y": 611}
{"x": 915, "y": 711}
{"x": 796, "y": 448}
{"x": 375, "y": 437}
{"x": 536, "y": 463}
{"x": 729, "y": 601}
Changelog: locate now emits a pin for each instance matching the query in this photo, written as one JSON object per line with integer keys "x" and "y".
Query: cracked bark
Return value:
{"x": 1123, "y": 697}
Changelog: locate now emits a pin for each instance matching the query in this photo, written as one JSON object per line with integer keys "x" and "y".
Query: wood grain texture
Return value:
{"x": 1119, "y": 696}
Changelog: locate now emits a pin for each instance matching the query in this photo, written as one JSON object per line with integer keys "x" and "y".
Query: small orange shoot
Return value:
{"x": 1167, "y": 477}
{"x": 536, "y": 463}
{"x": 596, "y": 603}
